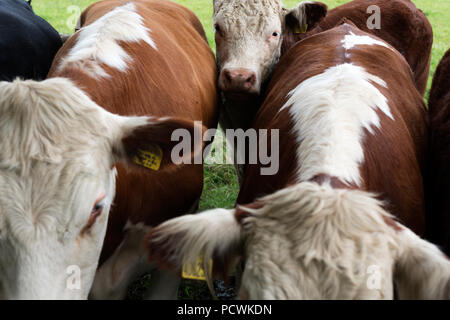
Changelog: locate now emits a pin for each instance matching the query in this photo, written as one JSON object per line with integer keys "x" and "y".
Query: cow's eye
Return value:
{"x": 275, "y": 34}
{"x": 217, "y": 28}
{"x": 97, "y": 210}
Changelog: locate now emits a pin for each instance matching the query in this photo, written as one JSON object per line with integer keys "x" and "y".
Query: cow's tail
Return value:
{"x": 422, "y": 271}
{"x": 213, "y": 235}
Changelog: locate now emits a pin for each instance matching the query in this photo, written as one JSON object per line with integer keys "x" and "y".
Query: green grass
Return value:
{"x": 220, "y": 181}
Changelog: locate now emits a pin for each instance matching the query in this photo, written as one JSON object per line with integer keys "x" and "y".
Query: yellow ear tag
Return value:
{"x": 149, "y": 158}
{"x": 302, "y": 29}
{"x": 196, "y": 271}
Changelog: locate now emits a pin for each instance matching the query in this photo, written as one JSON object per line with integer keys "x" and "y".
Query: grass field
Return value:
{"x": 220, "y": 181}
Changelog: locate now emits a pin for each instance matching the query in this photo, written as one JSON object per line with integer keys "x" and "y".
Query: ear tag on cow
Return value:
{"x": 150, "y": 157}
{"x": 196, "y": 271}
{"x": 301, "y": 29}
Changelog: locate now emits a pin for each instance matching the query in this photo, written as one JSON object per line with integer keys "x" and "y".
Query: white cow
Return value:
{"x": 249, "y": 34}
{"x": 309, "y": 242}
{"x": 57, "y": 182}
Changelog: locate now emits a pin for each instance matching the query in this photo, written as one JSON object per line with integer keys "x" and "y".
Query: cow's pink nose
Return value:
{"x": 238, "y": 80}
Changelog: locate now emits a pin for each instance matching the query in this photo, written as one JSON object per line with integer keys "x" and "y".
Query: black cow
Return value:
{"x": 28, "y": 43}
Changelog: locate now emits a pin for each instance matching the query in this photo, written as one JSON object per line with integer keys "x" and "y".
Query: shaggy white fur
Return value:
{"x": 56, "y": 161}
{"x": 314, "y": 242}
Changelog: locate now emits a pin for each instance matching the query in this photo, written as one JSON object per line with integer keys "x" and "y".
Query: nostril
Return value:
{"x": 251, "y": 79}
{"x": 227, "y": 76}
{"x": 238, "y": 80}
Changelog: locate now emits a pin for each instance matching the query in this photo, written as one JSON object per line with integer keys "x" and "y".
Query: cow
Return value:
{"x": 438, "y": 187}
{"x": 135, "y": 74}
{"x": 251, "y": 36}
{"x": 28, "y": 43}
{"x": 340, "y": 218}
{"x": 401, "y": 24}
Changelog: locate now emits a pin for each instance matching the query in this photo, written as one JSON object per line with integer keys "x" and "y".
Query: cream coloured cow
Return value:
{"x": 249, "y": 36}
{"x": 57, "y": 183}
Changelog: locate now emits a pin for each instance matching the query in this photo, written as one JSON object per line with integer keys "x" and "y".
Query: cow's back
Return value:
{"x": 394, "y": 154}
{"x": 438, "y": 188}
{"x": 27, "y": 42}
{"x": 176, "y": 78}
{"x": 403, "y": 26}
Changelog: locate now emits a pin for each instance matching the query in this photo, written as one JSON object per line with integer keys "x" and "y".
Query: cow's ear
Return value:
{"x": 305, "y": 16}
{"x": 158, "y": 143}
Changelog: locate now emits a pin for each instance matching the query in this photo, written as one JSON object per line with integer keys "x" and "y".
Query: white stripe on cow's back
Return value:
{"x": 98, "y": 43}
{"x": 330, "y": 111}
{"x": 351, "y": 40}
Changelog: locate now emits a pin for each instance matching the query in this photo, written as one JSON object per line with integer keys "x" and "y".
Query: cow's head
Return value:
{"x": 57, "y": 183}
{"x": 249, "y": 34}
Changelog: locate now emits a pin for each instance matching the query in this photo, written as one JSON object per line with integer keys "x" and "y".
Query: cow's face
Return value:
{"x": 249, "y": 35}
{"x": 57, "y": 183}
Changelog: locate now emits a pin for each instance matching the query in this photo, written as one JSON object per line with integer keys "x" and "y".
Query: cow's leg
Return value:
{"x": 127, "y": 264}
{"x": 163, "y": 286}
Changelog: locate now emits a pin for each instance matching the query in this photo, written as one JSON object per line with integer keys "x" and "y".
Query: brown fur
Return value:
{"x": 403, "y": 26}
{"x": 178, "y": 80}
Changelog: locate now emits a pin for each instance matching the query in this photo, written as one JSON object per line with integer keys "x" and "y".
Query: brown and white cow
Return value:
{"x": 439, "y": 168}
{"x": 401, "y": 24}
{"x": 135, "y": 59}
{"x": 352, "y": 130}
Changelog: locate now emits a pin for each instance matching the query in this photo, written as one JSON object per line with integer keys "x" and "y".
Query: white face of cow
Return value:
{"x": 248, "y": 40}
{"x": 249, "y": 34}
{"x": 57, "y": 183}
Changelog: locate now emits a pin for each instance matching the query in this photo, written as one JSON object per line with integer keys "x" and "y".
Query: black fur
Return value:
{"x": 28, "y": 43}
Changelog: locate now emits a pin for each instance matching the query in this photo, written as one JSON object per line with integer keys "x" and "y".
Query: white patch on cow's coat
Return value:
{"x": 330, "y": 112}
{"x": 99, "y": 42}
{"x": 351, "y": 40}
